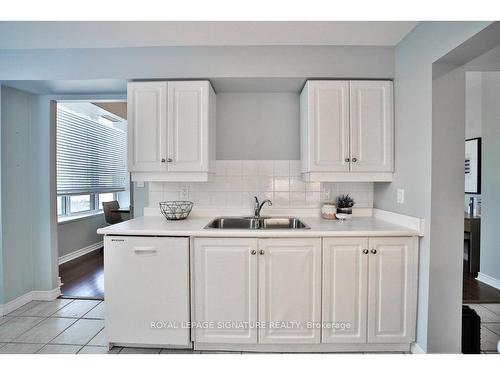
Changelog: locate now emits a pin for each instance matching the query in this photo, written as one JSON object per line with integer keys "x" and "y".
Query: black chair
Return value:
{"x": 110, "y": 215}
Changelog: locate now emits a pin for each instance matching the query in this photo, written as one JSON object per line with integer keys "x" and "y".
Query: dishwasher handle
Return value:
{"x": 145, "y": 250}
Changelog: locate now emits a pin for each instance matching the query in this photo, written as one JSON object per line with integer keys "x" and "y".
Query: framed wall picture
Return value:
{"x": 473, "y": 166}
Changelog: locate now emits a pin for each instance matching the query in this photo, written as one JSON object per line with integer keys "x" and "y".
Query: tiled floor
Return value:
{"x": 490, "y": 325}
{"x": 77, "y": 327}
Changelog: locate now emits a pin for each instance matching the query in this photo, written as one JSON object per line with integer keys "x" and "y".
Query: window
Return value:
{"x": 91, "y": 158}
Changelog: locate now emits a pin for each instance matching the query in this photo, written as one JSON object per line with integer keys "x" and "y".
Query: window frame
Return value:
{"x": 94, "y": 205}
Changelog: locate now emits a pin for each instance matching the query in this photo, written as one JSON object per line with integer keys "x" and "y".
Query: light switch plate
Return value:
{"x": 401, "y": 196}
{"x": 140, "y": 184}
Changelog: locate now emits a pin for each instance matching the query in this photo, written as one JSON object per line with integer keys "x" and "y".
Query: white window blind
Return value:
{"x": 91, "y": 156}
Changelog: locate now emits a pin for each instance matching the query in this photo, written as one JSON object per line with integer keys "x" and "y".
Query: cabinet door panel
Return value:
{"x": 289, "y": 290}
{"x": 188, "y": 126}
{"x": 328, "y": 126}
{"x": 140, "y": 273}
{"x": 345, "y": 286}
{"x": 225, "y": 290}
{"x": 392, "y": 290}
{"x": 371, "y": 126}
{"x": 147, "y": 126}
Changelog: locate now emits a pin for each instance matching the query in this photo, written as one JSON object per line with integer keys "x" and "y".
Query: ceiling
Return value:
{"x": 64, "y": 34}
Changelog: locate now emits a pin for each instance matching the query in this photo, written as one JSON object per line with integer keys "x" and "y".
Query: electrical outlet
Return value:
{"x": 184, "y": 193}
{"x": 401, "y": 196}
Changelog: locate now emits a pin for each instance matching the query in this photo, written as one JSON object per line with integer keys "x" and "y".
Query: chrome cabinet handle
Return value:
{"x": 347, "y": 160}
{"x": 261, "y": 252}
{"x": 365, "y": 251}
{"x": 253, "y": 252}
{"x": 146, "y": 250}
{"x": 373, "y": 251}
{"x": 163, "y": 160}
{"x": 170, "y": 160}
{"x": 354, "y": 160}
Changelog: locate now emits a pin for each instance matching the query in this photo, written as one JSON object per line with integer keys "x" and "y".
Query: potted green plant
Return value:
{"x": 344, "y": 205}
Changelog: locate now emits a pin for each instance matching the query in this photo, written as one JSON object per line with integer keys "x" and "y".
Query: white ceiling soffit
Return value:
{"x": 63, "y": 34}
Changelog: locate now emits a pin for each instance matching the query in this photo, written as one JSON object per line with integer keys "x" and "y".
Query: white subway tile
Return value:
{"x": 233, "y": 199}
{"x": 266, "y": 167}
{"x": 233, "y": 167}
{"x": 281, "y": 184}
{"x": 281, "y": 199}
{"x": 281, "y": 167}
{"x": 294, "y": 167}
{"x": 296, "y": 184}
{"x": 297, "y": 199}
{"x": 250, "y": 167}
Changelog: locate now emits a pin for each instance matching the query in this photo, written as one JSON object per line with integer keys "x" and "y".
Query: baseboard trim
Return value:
{"x": 491, "y": 281}
{"x": 34, "y": 295}
{"x": 416, "y": 349}
{"x": 80, "y": 252}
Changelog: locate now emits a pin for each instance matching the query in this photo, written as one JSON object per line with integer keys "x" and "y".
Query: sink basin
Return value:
{"x": 256, "y": 223}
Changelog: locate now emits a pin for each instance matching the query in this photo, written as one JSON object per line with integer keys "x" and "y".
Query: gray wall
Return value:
{"x": 414, "y": 57}
{"x": 262, "y": 126}
{"x": 76, "y": 235}
{"x": 490, "y": 217}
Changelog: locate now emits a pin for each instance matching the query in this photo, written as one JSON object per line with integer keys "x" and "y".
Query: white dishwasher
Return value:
{"x": 146, "y": 284}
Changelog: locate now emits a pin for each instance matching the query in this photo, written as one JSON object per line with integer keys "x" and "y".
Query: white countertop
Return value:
{"x": 193, "y": 227}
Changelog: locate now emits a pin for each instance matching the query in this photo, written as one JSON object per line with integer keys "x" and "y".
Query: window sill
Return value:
{"x": 73, "y": 218}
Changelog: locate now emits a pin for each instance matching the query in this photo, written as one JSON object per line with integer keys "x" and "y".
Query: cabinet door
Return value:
{"x": 392, "y": 291}
{"x": 345, "y": 286}
{"x": 328, "y": 126}
{"x": 147, "y": 290}
{"x": 289, "y": 290}
{"x": 188, "y": 126}
{"x": 147, "y": 126}
{"x": 225, "y": 290}
{"x": 371, "y": 126}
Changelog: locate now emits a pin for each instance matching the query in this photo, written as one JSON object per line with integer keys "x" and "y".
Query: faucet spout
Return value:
{"x": 258, "y": 206}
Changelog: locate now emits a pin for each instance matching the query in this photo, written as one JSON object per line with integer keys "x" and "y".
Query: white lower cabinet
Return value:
{"x": 247, "y": 282}
{"x": 369, "y": 290}
{"x": 147, "y": 290}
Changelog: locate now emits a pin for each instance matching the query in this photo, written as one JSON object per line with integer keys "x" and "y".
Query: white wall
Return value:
{"x": 258, "y": 126}
{"x": 414, "y": 57}
{"x": 490, "y": 216}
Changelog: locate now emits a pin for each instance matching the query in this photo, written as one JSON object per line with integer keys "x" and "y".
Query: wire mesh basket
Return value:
{"x": 176, "y": 210}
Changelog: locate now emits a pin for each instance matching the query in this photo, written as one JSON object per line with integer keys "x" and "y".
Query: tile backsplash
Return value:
{"x": 237, "y": 181}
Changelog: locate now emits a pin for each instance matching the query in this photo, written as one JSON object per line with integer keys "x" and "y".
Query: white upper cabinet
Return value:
{"x": 347, "y": 130}
{"x": 147, "y": 126}
{"x": 371, "y": 126}
{"x": 171, "y": 130}
{"x": 326, "y": 105}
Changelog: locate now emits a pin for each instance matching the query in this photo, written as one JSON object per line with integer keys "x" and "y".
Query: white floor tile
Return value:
{"x": 80, "y": 333}
{"x": 99, "y": 350}
{"x": 45, "y": 308}
{"x": 59, "y": 349}
{"x": 17, "y": 326}
{"x": 46, "y": 331}
{"x": 140, "y": 351}
{"x": 23, "y": 308}
{"x": 487, "y": 316}
{"x": 20, "y": 348}
{"x": 76, "y": 309}
{"x": 96, "y": 313}
{"x": 99, "y": 339}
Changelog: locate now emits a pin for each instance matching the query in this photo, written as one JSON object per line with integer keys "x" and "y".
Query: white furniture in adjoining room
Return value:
{"x": 171, "y": 130}
{"x": 347, "y": 130}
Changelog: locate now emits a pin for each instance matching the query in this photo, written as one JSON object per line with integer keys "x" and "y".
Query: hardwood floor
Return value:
{"x": 477, "y": 292}
{"x": 83, "y": 277}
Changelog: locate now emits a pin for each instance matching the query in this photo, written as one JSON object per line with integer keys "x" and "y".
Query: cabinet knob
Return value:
{"x": 253, "y": 252}
{"x": 347, "y": 160}
{"x": 170, "y": 160}
{"x": 163, "y": 160}
{"x": 365, "y": 251}
{"x": 261, "y": 252}
{"x": 373, "y": 251}
{"x": 354, "y": 160}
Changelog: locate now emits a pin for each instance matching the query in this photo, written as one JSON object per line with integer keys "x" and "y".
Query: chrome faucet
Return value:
{"x": 258, "y": 206}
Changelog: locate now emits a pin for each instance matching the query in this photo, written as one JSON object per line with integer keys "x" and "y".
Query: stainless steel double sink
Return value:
{"x": 256, "y": 223}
